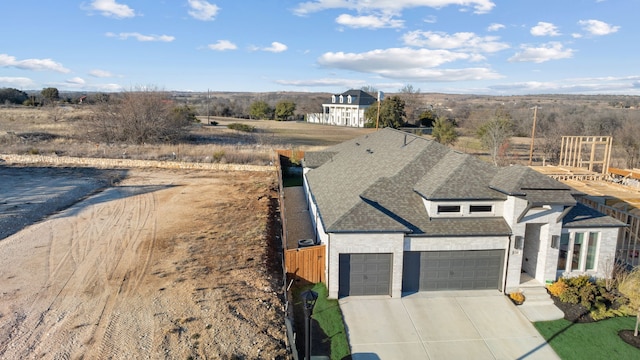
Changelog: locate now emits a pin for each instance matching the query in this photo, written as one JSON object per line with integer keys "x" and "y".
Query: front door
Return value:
{"x": 531, "y": 249}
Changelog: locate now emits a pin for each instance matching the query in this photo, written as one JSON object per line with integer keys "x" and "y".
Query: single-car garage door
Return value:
{"x": 364, "y": 274}
{"x": 452, "y": 270}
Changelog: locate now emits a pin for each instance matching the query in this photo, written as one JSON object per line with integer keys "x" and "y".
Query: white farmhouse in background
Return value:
{"x": 346, "y": 109}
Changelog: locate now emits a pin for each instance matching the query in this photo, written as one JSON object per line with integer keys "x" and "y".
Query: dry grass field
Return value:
{"x": 61, "y": 131}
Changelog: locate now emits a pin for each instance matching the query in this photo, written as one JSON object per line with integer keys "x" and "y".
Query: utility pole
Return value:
{"x": 208, "y": 97}
{"x": 533, "y": 133}
{"x": 380, "y": 96}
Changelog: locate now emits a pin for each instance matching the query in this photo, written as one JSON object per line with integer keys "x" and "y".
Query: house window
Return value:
{"x": 578, "y": 241}
{"x": 349, "y": 99}
{"x": 480, "y": 209}
{"x": 341, "y": 99}
{"x": 578, "y": 251}
{"x": 591, "y": 250}
{"x": 448, "y": 209}
{"x": 563, "y": 251}
{"x": 333, "y": 99}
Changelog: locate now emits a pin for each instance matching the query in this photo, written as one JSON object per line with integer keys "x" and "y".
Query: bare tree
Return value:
{"x": 627, "y": 137}
{"x": 496, "y": 133}
{"x": 411, "y": 99}
{"x": 141, "y": 116}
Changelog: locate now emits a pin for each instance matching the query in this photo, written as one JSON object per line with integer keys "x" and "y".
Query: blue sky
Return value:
{"x": 500, "y": 47}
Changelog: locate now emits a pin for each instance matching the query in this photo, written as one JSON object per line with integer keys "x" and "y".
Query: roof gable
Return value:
{"x": 458, "y": 176}
{"x": 537, "y": 188}
{"x": 582, "y": 216}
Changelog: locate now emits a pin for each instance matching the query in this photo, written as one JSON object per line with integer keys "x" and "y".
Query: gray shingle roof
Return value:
{"x": 359, "y": 97}
{"x": 537, "y": 188}
{"x": 582, "y": 216}
{"x": 377, "y": 183}
{"x": 314, "y": 159}
{"x": 458, "y": 177}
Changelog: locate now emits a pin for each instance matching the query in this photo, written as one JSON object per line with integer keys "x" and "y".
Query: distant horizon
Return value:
{"x": 329, "y": 92}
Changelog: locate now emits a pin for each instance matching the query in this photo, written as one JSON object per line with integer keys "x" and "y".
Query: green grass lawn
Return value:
{"x": 598, "y": 340}
{"x": 329, "y": 316}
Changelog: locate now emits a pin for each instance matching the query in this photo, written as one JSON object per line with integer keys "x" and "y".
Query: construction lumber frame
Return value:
{"x": 590, "y": 152}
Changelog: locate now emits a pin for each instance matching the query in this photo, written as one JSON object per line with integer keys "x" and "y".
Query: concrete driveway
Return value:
{"x": 441, "y": 325}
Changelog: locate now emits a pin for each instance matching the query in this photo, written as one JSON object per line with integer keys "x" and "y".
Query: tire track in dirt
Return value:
{"x": 92, "y": 238}
{"x": 115, "y": 331}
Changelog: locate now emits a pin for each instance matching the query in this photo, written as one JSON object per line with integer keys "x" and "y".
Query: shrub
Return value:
{"x": 517, "y": 297}
{"x": 557, "y": 288}
{"x": 218, "y": 155}
{"x": 241, "y": 127}
{"x": 602, "y": 311}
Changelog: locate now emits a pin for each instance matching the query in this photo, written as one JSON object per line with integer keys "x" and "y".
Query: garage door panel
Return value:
{"x": 452, "y": 270}
{"x": 364, "y": 274}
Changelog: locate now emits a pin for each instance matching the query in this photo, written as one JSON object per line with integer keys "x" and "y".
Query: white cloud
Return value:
{"x": 394, "y": 6}
{"x": 377, "y": 61}
{"x": 203, "y": 10}
{"x": 431, "y": 19}
{"x": 495, "y": 27}
{"x": 32, "y": 64}
{"x": 222, "y": 45}
{"x": 369, "y": 21}
{"x": 111, "y": 8}
{"x": 108, "y": 87}
{"x": 330, "y": 82}
{"x": 100, "y": 73}
{"x": 141, "y": 37}
{"x": 463, "y": 40}
{"x": 597, "y": 27}
{"x": 605, "y": 85}
{"x": 546, "y": 52}
{"x": 76, "y": 81}
{"x": 275, "y": 47}
{"x": 16, "y": 82}
{"x": 544, "y": 29}
{"x": 407, "y": 63}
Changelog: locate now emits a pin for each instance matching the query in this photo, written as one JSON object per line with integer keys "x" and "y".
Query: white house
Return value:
{"x": 400, "y": 214}
{"x": 346, "y": 109}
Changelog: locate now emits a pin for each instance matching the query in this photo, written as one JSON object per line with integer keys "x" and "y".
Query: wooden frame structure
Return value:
{"x": 588, "y": 152}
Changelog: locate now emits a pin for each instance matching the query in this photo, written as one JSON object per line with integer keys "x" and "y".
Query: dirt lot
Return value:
{"x": 165, "y": 264}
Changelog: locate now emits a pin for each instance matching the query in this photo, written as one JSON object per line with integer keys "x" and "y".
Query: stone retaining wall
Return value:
{"x": 125, "y": 163}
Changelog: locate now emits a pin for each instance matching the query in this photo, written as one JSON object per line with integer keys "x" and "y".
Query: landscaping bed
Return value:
{"x": 592, "y": 307}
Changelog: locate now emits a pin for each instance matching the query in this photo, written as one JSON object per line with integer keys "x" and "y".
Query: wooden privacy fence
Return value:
{"x": 306, "y": 263}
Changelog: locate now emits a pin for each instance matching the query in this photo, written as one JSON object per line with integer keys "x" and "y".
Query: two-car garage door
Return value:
{"x": 452, "y": 270}
{"x": 371, "y": 274}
